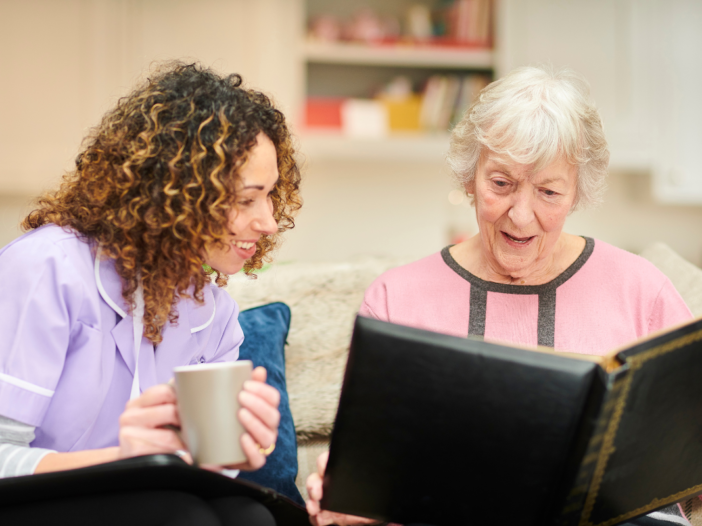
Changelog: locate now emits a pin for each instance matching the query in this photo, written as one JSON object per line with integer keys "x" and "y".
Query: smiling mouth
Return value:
{"x": 245, "y": 245}
{"x": 520, "y": 240}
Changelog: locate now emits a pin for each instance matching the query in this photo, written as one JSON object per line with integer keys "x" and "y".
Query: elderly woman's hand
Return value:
{"x": 318, "y": 516}
{"x": 149, "y": 422}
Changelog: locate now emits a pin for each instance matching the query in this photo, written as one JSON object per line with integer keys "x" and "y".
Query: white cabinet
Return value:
{"x": 643, "y": 59}
{"x": 676, "y": 76}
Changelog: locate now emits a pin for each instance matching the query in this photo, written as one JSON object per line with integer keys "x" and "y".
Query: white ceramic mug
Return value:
{"x": 208, "y": 403}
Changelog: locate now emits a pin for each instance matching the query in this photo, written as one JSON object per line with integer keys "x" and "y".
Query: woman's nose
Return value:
{"x": 265, "y": 223}
{"x": 522, "y": 210}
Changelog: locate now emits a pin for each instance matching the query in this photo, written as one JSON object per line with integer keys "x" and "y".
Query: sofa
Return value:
{"x": 324, "y": 299}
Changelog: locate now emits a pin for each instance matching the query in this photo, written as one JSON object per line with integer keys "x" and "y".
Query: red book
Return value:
{"x": 323, "y": 113}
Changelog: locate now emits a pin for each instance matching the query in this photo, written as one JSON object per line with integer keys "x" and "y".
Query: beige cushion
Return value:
{"x": 324, "y": 299}
{"x": 686, "y": 277}
{"x": 307, "y": 454}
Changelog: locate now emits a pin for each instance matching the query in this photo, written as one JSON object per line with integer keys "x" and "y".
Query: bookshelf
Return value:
{"x": 413, "y": 56}
{"x": 347, "y": 69}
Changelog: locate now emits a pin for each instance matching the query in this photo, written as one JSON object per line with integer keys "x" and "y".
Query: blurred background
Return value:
{"x": 371, "y": 89}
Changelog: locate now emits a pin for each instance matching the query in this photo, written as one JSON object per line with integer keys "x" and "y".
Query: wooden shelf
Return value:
{"x": 399, "y": 55}
{"x": 317, "y": 146}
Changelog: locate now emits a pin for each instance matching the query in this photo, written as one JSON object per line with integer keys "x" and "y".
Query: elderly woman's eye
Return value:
{"x": 549, "y": 192}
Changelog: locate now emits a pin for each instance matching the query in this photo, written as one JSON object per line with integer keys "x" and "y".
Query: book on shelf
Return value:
{"x": 447, "y": 97}
{"x": 457, "y": 23}
{"x": 470, "y": 22}
{"x": 441, "y": 104}
{"x": 444, "y": 430}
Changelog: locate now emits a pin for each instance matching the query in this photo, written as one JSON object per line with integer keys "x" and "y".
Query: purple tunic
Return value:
{"x": 67, "y": 345}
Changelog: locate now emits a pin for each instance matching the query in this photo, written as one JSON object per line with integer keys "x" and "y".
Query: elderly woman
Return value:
{"x": 190, "y": 177}
{"x": 529, "y": 151}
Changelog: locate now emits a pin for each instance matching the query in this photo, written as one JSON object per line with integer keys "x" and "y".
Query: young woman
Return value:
{"x": 188, "y": 179}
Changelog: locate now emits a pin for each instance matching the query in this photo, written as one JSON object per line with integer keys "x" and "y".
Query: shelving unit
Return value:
{"x": 343, "y": 69}
{"x": 414, "y": 56}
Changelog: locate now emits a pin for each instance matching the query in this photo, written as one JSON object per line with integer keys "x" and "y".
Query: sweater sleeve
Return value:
{"x": 16, "y": 457}
{"x": 375, "y": 304}
{"x": 669, "y": 309}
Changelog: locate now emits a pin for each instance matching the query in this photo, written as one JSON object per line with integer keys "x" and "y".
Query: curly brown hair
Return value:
{"x": 156, "y": 179}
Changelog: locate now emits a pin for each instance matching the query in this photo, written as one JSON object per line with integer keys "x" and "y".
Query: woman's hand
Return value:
{"x": 148, "y": 424}
{"x": 318, "y": 516}
{"x": 260, "y": 417}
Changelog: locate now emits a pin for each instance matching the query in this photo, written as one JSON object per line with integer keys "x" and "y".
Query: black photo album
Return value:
{"x": 440, "y": 430}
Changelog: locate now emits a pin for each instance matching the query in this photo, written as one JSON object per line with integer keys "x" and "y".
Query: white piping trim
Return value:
{"x": 101, "y": 289}
{"x": 204, "y": 326}
{"x": 26, "y": 385}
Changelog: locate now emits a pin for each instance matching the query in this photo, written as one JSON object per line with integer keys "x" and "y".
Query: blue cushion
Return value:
{"x": 265, "y": 331}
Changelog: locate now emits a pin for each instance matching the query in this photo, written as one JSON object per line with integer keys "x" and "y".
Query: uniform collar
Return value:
{"x": 109, "y": 283}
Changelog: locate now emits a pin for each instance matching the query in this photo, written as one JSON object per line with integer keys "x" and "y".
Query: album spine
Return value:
{"x": 574, "y": 511}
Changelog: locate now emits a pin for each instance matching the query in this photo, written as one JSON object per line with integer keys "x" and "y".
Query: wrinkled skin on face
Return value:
{"x": 520, "y": 213}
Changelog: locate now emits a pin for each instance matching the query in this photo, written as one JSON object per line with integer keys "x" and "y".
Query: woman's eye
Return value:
{"x": 500, "y": 183}
{"x": 549, "y": 192}
{"x": 244, "y": 202}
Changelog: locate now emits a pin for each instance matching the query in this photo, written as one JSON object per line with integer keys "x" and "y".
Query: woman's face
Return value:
{"x": 520, "y": 212}
{"x": 252, "y": 215}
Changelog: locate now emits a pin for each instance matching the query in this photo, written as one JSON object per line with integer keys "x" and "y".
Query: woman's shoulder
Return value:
{"x": 427, "y": 269}
{"x": 428, "y": 276}
{"x": 620, "y": 264}
{"x": 45, "y": 245}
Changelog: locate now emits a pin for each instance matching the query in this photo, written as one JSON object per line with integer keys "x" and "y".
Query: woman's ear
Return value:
{"x": 469, "y": 187}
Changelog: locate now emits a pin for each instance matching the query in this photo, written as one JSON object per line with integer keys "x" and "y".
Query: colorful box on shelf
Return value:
{"x": 323, "y": 113}
{"x": 364, "y": 117}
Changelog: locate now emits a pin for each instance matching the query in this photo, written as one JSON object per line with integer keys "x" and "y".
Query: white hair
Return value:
{"x": 535, "y": 115}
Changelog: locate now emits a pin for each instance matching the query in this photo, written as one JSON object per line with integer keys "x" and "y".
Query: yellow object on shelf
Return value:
{"x": 403, "y": 114}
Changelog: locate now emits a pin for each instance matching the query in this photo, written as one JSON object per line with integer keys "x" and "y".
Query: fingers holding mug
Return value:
{"x": 262, "y": 433}
{"x": 209, "y": 407}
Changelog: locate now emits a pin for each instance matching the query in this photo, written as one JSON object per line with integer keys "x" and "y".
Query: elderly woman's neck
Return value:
{"x": 476, "y": 256}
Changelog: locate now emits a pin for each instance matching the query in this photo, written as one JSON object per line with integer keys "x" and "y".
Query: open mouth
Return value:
{"x": 245, "y": 249}
{"x": 518, "y": 240}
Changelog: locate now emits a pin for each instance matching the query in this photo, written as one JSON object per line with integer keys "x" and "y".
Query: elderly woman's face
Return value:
{"x": 520, "y": 212}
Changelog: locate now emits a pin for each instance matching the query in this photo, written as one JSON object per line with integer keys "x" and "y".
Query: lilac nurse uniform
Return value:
{"x": 67, "y": 357}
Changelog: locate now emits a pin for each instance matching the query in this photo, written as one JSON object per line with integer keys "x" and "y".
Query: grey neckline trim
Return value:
{"x": 505, "y": 288}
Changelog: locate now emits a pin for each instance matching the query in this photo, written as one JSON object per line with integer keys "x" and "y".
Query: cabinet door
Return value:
{"x": 643, "y": 60}
{"x": 676, "y": 74}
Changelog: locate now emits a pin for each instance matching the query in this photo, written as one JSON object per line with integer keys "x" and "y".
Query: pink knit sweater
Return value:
{"x": 607, "y": 298}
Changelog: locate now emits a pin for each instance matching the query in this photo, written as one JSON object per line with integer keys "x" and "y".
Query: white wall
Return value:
{"x": 65, "y": 61}
{"x": 402, "y": 209}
